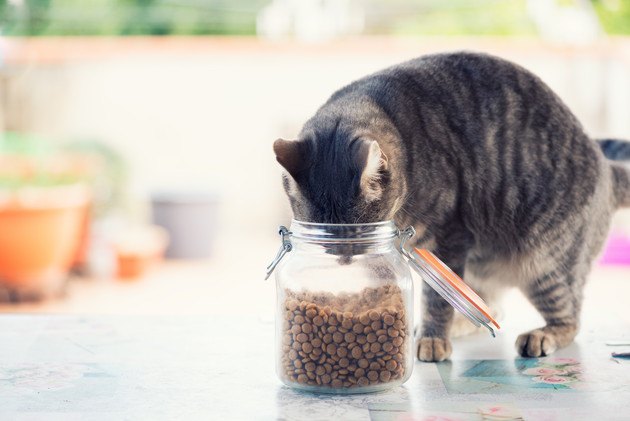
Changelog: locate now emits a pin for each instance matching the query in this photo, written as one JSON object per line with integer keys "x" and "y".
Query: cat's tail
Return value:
{"x": 619, "y": 150}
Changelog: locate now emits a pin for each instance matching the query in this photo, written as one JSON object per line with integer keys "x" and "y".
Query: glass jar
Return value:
{"x": 344, "y": 309}
{"x": 344, "y": 320}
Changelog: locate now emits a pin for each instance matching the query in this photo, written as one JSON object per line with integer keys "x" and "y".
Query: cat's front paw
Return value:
{"x": 536, "y": 343}
{"x": 432, "y": 349}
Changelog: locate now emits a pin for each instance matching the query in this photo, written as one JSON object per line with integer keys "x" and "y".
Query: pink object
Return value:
{"x": 617, "y": 251}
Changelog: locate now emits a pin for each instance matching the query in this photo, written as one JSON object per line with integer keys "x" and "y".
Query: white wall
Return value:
{"x": 205, "y": 116}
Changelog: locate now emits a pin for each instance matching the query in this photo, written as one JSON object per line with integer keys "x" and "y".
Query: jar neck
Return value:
{"x": 346, "y": 239}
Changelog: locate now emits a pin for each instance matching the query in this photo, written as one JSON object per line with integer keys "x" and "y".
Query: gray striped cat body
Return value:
{"x": 495, "y": 173}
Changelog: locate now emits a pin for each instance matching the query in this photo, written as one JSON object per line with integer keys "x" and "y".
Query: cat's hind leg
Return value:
{"x": 558, "y": 298}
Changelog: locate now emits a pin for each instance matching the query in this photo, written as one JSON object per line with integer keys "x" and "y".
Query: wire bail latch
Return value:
{"x": 285, "y": 248}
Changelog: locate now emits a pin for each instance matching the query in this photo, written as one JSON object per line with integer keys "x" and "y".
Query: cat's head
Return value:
{"x": 337, "y": 179}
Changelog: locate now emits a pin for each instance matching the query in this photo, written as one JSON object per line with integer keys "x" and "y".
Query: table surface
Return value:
{"x": 195, "y": 341}
{"x": 221, "y": 367}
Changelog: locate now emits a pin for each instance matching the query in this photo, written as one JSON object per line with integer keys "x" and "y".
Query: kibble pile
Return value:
{"x": 346, "y": 340}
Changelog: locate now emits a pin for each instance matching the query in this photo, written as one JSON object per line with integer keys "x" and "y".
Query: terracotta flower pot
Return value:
{"x": 40, "y": 231}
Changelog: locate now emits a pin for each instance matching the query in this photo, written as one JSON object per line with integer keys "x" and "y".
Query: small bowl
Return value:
{"x": 138, "y": 250}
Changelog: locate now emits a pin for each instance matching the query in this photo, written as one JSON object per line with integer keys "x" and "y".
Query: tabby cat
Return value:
{"x": 492, "y": 169}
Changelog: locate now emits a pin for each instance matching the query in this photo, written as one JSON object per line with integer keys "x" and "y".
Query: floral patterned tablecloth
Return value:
{"x": 127, "y": 368}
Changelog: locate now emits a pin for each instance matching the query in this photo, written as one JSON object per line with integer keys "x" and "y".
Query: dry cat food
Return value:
{"x": 345, "y": 340}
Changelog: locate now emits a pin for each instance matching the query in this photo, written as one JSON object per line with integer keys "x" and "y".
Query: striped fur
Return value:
{"x": 494, "y": 171}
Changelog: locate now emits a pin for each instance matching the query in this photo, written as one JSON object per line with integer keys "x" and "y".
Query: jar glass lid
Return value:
{"x": 449, "y": 285}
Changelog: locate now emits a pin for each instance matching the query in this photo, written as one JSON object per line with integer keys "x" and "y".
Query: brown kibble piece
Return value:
{"x": 393, "y": 332}
{"x": 375, "y": 347}
{"x": 391, "y": 365}
{"x": 385, "y": 376}
{"x": 374, "y": 315}
{"x": 331, "y": 349}
{"x": 302, "y": 378}
{"x": 309, "y": 366}
{"x": 338, "y": 337}
{"x": 364, "y": 319}
{"x": 307, "y": 328}
{"x": 344, "y": 362}
{"x": 363, "y": 381}
{"x": 337, "y": 383}
{"x": 292, "y": 305}
{"x": 318, "y": 321}
{"x": 307, "y": 347}
{"x": 349, "y": 337}
{"x": 296, "y": 329}
{"x": 356, "y": 352}
{"x": 302, "y": 337}
{"x": 363, "y": 363}
{"x": 310, "y": 313}
{"x": 372, "y": 375}
{"x": 388, "y": 319}
{"x": 397, "y": 341}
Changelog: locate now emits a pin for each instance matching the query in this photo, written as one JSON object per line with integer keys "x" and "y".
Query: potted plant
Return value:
{"x": 43, "y": 208}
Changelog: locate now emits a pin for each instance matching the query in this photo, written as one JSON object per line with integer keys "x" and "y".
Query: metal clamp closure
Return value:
{"x": 405, "y": 235}
{"x": 285, "y": 248}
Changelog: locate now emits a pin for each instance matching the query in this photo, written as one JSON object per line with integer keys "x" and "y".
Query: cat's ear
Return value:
{"x": 291, "y": 154}
{"x": 373, "y": 163}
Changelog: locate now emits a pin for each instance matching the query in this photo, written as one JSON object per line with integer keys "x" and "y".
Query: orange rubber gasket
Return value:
{"x": 457, "y": 283}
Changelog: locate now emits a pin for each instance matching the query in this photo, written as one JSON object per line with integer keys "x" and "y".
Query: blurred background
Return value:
{"x": 136, "y": 170}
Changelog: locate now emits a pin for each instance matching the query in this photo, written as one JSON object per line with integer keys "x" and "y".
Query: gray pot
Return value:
{"x": 190, "y": 218}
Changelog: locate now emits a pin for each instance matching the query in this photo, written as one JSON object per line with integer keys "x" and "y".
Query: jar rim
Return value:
{"x": 323, "y": 232}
